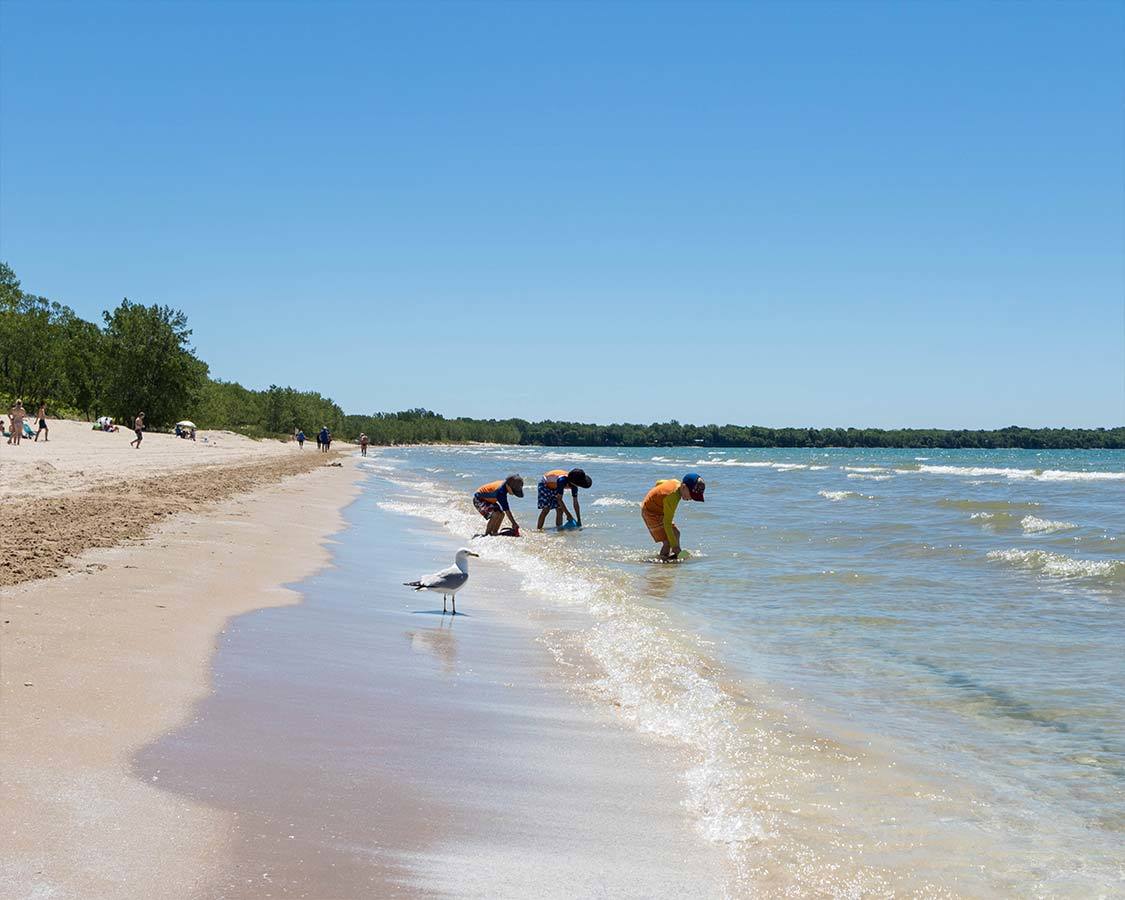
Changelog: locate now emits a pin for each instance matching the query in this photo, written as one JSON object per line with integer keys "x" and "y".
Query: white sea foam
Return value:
{"x": 867, "y": 470}
{"x": 1035, "y": 525}
{"x": 615, "y": 501}
{"x": 1067, "y": 475}
{"x": 981, "y": 516}
{"x": 1058, "y": 565}
{"x": 655, "y": 674}
{"x": 836, "y": 496}
{"x": 860, "y": 477}
{"x": 1022, "y": 474}
{"x": 778, "y": 466}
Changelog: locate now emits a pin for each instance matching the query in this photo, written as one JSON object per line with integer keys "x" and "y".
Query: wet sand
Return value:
{"x": 97, "y": 663}
{"x": 362, "y": 744}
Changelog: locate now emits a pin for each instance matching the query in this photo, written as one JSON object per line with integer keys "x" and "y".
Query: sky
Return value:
{"x": 830, "y": 214}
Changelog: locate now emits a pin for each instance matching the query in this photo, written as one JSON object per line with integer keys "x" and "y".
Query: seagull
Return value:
{"x": 447, "y": 582}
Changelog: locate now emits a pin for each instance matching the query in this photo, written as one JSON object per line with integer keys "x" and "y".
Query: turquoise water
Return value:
{"x": 883, "y": 671}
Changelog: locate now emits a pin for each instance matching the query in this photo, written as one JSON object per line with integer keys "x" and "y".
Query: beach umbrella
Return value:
{"x": 186, "y": 424}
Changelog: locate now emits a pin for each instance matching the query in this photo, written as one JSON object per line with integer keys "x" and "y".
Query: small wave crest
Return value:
{"x": 615, "y": 501}
{"x": 1058, "y": 565}
{"x": 836, "y": 496}
{"x": 1035, "y": 525}
{"x": 743, "y": 464}
{"x": 1022, "y": 474}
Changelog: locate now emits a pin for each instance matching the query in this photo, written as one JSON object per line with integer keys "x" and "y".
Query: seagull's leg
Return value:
{"x": 443, "y": 604}
{"x": 454, "y": 604}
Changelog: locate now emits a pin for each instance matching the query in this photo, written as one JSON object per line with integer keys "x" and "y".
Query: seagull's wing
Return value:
{"x": 446, "y": 580}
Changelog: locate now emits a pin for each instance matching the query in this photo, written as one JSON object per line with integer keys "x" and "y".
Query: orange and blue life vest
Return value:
{"x": 495, "y": 492}
{"x": 556, "y": 480}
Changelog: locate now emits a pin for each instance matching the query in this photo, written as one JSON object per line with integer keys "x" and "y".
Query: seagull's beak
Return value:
{"x": 477, "y": 555}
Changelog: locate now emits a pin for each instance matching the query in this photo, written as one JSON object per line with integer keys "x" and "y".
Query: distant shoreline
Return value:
{"x": 1112, "y": 442}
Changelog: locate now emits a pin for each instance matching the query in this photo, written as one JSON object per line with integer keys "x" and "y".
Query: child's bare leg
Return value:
{"x": 494, "y": 522}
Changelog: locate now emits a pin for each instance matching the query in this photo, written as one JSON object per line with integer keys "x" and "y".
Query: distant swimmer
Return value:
{"x": 552, "y": 486}
{"x": 491, "y": 501}
{"x": 364, "y": 440}
{"x": 659, "y": 507}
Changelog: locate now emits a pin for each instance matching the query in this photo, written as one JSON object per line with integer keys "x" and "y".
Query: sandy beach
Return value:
{"x": 84, "y": 489}
{"x": 164, "y": 732}
{"x": 97, "y": 662}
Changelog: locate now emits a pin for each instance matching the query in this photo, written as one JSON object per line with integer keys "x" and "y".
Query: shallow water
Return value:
{"x": 892, "y": 671}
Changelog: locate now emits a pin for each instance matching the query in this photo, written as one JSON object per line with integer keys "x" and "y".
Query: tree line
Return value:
{"x": 140, "y": 358}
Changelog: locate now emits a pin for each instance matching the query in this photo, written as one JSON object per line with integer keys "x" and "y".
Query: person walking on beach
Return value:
{"x": 300, "y": 435}
{"x": 16, "y": 415}
{"x": 324, "y": 439}
{"x": 139, "y": 428}
{"x": 552, "y": 486}
{"x": 363, "y": 442}
{"x": 42, "y": 429}
{"x": 659, "y": 506}
{"x": 491, "y": 501}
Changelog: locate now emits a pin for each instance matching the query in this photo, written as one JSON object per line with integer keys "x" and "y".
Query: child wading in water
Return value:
{"x": 491, "y": 501}
{"x": 659, "y": 506}
{"x": 552, "y": 487}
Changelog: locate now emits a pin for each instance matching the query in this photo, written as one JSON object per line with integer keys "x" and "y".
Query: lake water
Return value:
{"x": 883, "y": 671}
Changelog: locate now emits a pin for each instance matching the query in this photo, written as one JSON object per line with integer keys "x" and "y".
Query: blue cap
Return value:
{"x": 695, "y": 485}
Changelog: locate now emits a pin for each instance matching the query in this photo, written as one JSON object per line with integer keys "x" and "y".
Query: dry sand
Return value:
{"x": 74, "y": 457}
{"x": 88, "y": 489}
{"x": 99, "y": 662}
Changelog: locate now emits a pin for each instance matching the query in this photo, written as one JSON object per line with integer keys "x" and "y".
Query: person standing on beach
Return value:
{"x": 550, "y": 496}
{"x": 324, "y": 439}
{"x": 659, "y": 507}
{"x": 42, "y": 429}
{"x": 139, "y": 428}
{"x": 491, "y": 501}
{"x": 16, "y": 415}
{"x": 363, "y": 442}
{"x": 300, "y": 436}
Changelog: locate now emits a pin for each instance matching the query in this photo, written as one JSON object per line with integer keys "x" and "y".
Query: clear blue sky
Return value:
{"x": 775, "y": 213}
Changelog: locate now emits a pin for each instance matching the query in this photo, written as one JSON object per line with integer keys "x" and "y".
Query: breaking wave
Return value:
{"x": 1057, "y": 565}
{"x": 615, "y": 501}
{"x": 1021, "y": 474}
{"x": 1035, "y": 525}
{"x": 836, "y": 496}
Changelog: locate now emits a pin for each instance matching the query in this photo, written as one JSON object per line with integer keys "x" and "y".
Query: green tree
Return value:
{"x": 150, "y": 365}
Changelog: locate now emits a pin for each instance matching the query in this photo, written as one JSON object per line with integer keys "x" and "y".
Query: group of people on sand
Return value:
{"x": 323, "y": 439}
{"x": 105, "y": 423}
{"x": 18, "y": 428}
{"x": 657, "y": 509}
